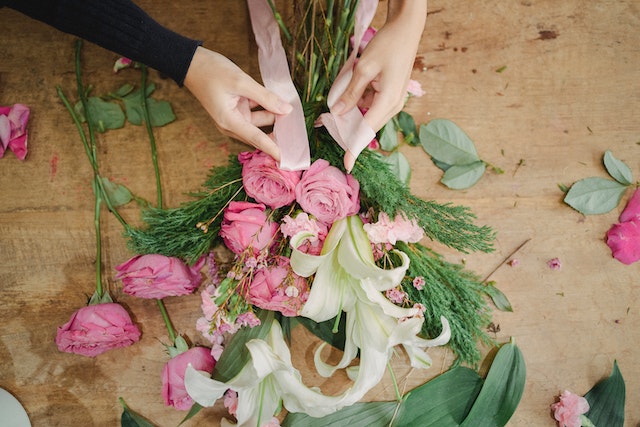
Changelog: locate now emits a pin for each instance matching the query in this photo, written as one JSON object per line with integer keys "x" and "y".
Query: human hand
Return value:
{"x": 383, "y": 69}
{"x": 230, "y": 95}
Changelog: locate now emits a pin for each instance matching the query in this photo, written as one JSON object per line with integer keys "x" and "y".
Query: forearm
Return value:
{"x": 119, "y": 26}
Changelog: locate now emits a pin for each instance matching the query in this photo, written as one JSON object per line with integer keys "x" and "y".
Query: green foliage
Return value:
{"x": 103, "y": 115}
{"x": 617, "y": 169}
{"x": 130, "y": 418}
{"x": 452, "y": 292}
{"x": 606, "y": 400}
{"x": 118, "y": 194}
{"x": 160, "y": 112}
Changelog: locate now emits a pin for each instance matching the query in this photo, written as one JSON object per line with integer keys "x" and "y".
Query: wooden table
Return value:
{"x": 568, "y": 89}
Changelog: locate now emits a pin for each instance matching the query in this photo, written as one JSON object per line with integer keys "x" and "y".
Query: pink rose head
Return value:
{"x": 13, "y": 130}
{"x": 278, "y": 288}
{"x": 265, "y": 182}
{"x": 624, "y": 241}
{"x": 158, "y": 276}
{"x": 94, "y": 329}
{"x": 121, "y": 63}
{"x": 414, "y": 88}
{"x": 632, "y": 211}
{"x": 327, "y": 193}
{"x": 174, "y": 392}
{"x": 568, "y": 410}
{"x": 245, "y": 225}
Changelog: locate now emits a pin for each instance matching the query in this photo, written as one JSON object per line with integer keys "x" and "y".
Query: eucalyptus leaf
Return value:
{"x": 369, "y": 414}
{"x": 445, "y": 141}
{"x": 459, "y": 177}
{"x": 104, "y": 115}
{"x": 594, "y": 195}
{"x": 617, "y": 169}
{"x": 389, "y": 137}
{"x": 119, "y": 195}
{"x": 606, "y": 400}
{"x": 399, "y": 166}
{"x": 235, "y": 355}
{"x": 408, "y": 128}
{"x": 501, "y": 392}
{"x": 499, "y": 299}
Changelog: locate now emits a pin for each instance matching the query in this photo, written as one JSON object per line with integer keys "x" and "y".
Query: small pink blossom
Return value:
{"x": 514, "y": 262}
{"x": 418, "y": 282}
{"x": 265, "y": 182}
{"x": 231, "y": 401}
{"x": 248, "y": 319}
{"x": 13, "y": 129}
{"x": 387, "y": 231}
{"x": 414, "y": 88}
{"x": 121, "y": 63}
{"x": 395, "y": 295}
{"x": 569, "y": 409}
{"x": 554, "y": 264}
{"x": 303, "y": 223}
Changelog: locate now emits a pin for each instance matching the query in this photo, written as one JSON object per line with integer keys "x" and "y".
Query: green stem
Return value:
{"x": 167, "y": 321}
{"x": 395, "y": 382}
{"x": 96, "y": 223}
{"x": 152, "y": 139}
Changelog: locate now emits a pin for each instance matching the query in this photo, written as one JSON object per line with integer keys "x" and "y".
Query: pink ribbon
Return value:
{"x": 350, "y": 130}
{"x": 289, "y": 131}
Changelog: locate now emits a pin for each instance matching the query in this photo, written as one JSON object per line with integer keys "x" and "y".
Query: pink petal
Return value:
{"x": 624, "y": 241}
{"x": 632, "y": 211}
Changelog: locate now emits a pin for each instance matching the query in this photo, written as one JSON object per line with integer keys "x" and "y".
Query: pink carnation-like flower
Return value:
{"x": 569, "y": 409}
{"x": 387, "y": 231}
{"x": 624, "y": 238}
{"x": 327, "y": 193}
{"x": 174, "y": 392}
{"x": 13, "y": 129}
{"x": 245, "y": 226}
{"x": 265, "y": 182}
{"x": 94, "y": 329}
{"x": 303, "y": 223}
{"x": 278, "y": 288}
{"x": 158, "y": 276}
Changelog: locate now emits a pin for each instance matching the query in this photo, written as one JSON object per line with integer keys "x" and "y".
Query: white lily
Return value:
{"x": 263, "y": 382}
{"x": 347, "y": 279}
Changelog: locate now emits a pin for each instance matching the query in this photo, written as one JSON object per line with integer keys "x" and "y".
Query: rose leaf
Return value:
{"x": 617, "y": 169}
{"x": 594, "y": 195}
{"x": 445, "y": 141}
{"x": 459, "y": 177}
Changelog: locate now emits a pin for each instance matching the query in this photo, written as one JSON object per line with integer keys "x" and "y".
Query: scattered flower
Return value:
{"x": 569, "y": 409}
{"x": 94, "y": 329}
{"x": 414, "y": 88}
{"x": 624, "y": 238}
{"x": 158, "y": 276}
{"x": 265, "y": 182}
{"x": 418, "y": 282}
{"x": 554, "y": 264}
{"x": 174, "y": 392}
{"x": 121, "y": 63}
{"x": 514, "y": 262}
{"x": 246, "y": 226}
{"x": 13, "y": 129}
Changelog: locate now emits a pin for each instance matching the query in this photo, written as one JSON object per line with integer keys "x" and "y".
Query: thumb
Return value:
{"x": 352, "y": 94}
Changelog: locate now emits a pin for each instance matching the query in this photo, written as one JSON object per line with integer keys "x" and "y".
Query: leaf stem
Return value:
{"x": 395, "y": 382}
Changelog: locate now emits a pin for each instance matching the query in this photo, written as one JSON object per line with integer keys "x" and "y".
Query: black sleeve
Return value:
{"x": 119, "y": 26}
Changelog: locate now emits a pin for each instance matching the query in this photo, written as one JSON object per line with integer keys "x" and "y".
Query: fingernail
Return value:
{"x": 285, "y": 107}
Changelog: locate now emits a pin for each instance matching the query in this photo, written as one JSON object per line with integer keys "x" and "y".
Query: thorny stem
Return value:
{"x": 152, "y": 139}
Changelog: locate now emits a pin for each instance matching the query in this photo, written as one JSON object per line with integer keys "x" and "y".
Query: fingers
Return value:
{"x": 244, "y": 131}
{"x": 363, "y": 75}
{"x": 260, "y": 95}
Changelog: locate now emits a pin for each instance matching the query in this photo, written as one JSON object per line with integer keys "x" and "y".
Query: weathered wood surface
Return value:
{"x": 569, "y": 90}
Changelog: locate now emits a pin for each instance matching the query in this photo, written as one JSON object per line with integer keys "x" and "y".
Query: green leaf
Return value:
{"x": 499, "y": 299}
{"x": 389, "y": 137}
{"x": 606, "y": 400}
{"x": 324, "y": 330}
{"x": 446, "y": 142}
{"x": 408, "y": 128}
{"x": 124, "y": 90}
{"x": 195, "y": 408}
{"x": 118, "y": 194}
{"x": 617, "y": 169}
{"x": 399, "y": 166}
{"x": 501, "y": 392}
{"x": 459, "y": 177}
{"x": 594, "y": 195}
{"x": 104, "y": 115}
{"x": 442, "y": 402}
{"x": 160, "y": 112}
{"x": 130, "y": 418}
{"x": 235, "y": 354}
{"x": 370, "y": 414}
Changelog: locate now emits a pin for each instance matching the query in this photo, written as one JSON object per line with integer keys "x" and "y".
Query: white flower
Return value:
{"x": 263, "y": 382}
{"x": 347, "y": 279}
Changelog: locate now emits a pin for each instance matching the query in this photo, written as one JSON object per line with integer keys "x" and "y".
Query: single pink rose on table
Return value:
{"x": 158, "y": 276}
{"x": 278, "y": 288}
{"x": 624, "y": 238}
{"x": 94, "y": 329}
{"x": 569, "y": 409}
{"x": 246, "y": 225}
{"x": 13, "y": 129}
{"x": 265, "y": 182}
{"x": 327, "y": 193}
{"x": 174, "y": 392}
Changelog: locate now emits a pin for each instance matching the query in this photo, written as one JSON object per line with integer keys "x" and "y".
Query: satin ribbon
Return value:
{"x": 350, "y": 130}
{"x": 290, "y": 131}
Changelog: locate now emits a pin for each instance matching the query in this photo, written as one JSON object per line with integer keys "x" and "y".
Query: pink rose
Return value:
{"x": 158, "y": 276}
{"x": 632, "y": 211}
{"x": 414, "y": 88}
{"x": 245, "y": 225}
{"x": 624, "y": 241}
{"x": 13, "y": 129}
{"x": 174, "y": 392}
{"x": 327, "y": 193}
{"x": 94, "y": 329}
{"x": 568, "y": 410}
{"x": 278, "y": 288}
{"x": 265, "y": 182}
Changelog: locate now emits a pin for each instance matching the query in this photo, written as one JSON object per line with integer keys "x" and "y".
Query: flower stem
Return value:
{"x": 152, "y": 139}
{"x": 96, "y": 222}
{"x": 167, "y": 321}
{"x": 395, "y": 382}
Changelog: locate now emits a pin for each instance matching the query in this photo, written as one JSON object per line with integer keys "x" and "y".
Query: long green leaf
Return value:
{"x": 446, "y": 142}
{"x": 370, "y": 414}
{"x": 501, "y": 392}
{"x": 592, "y": 196}
{"x": 617, "y": 169}
{"x": 499, "y": 299}
{"x": 606, "y": 400}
